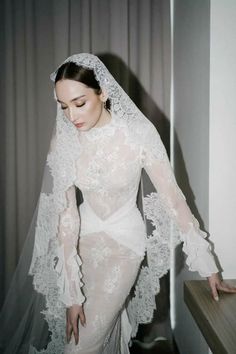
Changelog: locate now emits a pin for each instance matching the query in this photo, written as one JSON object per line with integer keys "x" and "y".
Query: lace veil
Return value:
{"x": 33, "y": 315}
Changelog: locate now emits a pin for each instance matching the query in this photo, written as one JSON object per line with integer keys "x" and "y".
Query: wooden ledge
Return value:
{"x": 216, "y": 320}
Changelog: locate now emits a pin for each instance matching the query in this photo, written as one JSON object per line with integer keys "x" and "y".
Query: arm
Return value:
{"x": 68, "y": 265}
{"x": 157, "y": 166}
{"x": 198, "y": 250}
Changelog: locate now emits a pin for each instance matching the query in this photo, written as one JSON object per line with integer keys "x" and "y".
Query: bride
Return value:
{"x": 94, "y": 268}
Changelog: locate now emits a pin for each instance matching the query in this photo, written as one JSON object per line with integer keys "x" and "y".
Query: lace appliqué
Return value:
{"x": 111, "y": 283}
{"x": 100, "y": 253}
{"x": 70, "y": 223}
{"x": 141, "y": 306}
{"x": 46, "y": 265}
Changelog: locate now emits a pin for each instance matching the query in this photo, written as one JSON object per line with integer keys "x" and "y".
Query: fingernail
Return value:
{"x": 216, "y": 298}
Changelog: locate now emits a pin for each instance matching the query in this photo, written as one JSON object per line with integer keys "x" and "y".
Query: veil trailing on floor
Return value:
{"x": 33, "y": 316}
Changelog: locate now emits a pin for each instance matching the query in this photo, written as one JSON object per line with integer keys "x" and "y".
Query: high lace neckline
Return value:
{"x": 107, "y": 129}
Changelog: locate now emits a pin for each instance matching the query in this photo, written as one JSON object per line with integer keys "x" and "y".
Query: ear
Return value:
{"x": 103, "y": 95}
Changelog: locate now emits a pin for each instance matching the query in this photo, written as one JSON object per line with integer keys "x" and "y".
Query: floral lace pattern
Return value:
{"x": 105, "y": 289}
{"x": 110, "y": 284}
{"x": 100, "y": 253}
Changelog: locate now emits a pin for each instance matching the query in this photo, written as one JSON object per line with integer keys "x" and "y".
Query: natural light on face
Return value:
{"x": 81, "y": 105}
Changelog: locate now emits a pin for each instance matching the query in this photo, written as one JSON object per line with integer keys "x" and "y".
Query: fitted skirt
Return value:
{"x": 109, "y": 270}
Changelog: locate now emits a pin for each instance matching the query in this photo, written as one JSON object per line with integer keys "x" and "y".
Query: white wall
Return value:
{"x": 205, "y": 126}
{"x": 222, "y": 177}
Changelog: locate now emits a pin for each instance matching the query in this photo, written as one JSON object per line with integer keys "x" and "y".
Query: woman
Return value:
{"x": 86, "y": 259}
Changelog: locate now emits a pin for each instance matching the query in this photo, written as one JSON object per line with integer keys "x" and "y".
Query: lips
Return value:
{"x": 79, "y": 125}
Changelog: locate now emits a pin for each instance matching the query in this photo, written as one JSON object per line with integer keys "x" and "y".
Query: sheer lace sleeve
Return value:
{"x": 156, "y": 163}
{"x": 69, "y": 262}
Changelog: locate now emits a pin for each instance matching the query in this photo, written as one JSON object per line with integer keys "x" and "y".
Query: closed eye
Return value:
{"x": 65, "y": 107}
{"x": 80, "y": 105}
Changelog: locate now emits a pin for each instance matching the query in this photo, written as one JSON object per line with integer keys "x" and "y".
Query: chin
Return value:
{"x": 84, "y": 128}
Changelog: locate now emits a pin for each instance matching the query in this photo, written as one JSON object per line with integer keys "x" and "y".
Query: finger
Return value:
{"x": 68, "y": 331}
{"x": 82, "y": 318}
{"x": 226, "y": 288}
{"x": 76, "y": 332}
{"x": 214, "y": 292}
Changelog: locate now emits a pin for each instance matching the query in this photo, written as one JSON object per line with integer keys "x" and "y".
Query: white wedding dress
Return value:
{"x": 109, "y": 232}
{"x": 102, "y": 254}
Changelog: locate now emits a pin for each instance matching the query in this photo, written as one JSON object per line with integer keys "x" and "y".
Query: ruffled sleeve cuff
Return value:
{"x": 198, "y": 251}
{"x": 69, "y": 285}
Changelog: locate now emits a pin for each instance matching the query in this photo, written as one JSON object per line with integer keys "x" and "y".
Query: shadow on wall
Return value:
{"x": 160, "y": 326}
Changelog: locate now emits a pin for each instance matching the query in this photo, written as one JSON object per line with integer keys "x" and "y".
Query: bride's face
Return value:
{"x": 81, "y": 105}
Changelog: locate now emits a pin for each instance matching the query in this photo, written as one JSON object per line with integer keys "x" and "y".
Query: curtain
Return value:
{"x": 130, "y": 36}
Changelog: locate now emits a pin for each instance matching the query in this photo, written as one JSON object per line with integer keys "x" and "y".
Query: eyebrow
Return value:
{"x": 73, "y": 99}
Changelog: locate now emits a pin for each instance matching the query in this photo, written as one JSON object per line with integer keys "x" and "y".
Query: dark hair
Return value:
{"x": 75, "y": 72}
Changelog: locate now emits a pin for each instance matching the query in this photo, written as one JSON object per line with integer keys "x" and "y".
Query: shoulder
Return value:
{"x": 138, "y": 129}
{"x": 144, "y": 130}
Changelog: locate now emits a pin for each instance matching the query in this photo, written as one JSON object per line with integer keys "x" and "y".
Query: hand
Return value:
{"x": 73, "y": 314}
{"x": 216, "y": 284}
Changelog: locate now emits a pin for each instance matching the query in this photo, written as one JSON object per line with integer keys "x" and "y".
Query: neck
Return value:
{"x": 105, "y": 118}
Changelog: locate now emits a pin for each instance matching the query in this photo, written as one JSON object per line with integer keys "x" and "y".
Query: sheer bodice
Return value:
{"x": 108, "y": 171}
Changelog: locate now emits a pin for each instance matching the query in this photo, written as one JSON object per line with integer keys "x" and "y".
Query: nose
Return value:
{"x": 71, "y": 115}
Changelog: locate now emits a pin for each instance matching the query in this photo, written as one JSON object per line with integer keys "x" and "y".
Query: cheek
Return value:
{"x": 93, "y": 110}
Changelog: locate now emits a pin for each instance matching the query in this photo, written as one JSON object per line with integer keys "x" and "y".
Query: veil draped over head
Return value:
{"x": 33, "y": 318}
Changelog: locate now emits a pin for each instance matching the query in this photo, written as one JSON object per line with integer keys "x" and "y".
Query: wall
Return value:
{"x": 222, "y": 177}
{"x": 205, "y": 126}
{"x": 191, "y": 134}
